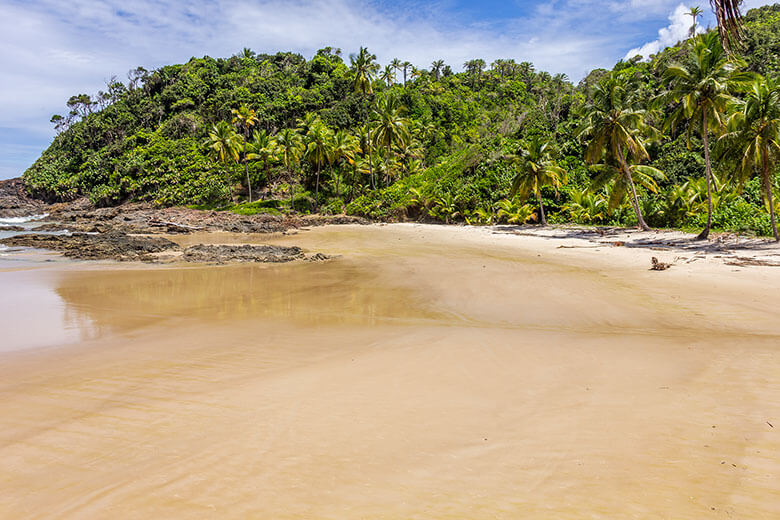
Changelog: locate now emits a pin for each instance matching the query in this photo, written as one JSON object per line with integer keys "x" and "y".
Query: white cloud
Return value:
{"x": 677, "y": 30}
{"x": 54, "y": 49}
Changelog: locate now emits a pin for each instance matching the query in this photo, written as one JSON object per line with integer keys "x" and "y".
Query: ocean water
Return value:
{"x": 29, "y": 223}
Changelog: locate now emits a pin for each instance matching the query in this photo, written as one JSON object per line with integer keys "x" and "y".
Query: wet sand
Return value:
{"x": 429, "y": 372}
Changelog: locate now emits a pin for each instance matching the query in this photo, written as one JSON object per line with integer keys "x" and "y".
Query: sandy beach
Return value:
{"x": 423, "y": 372}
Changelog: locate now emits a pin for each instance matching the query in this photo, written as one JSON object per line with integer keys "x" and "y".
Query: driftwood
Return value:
{"x": 658, "y": 266}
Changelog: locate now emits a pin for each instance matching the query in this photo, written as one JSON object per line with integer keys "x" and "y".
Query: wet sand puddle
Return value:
{"x": 413, "y": 377}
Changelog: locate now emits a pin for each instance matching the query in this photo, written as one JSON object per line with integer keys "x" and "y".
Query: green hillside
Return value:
{"x": 339, "y": 133}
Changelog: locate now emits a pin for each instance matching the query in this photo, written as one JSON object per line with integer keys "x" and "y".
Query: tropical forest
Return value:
{"x": 688, "y": 138}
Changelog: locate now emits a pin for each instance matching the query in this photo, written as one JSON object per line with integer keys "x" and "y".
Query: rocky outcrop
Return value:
{"x": 112, "y": 246}
{"x": 221, "y": 254}
{"x": 14, "y": 201}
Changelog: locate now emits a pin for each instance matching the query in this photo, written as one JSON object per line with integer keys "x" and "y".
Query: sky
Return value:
{"x": 52, "y": 49}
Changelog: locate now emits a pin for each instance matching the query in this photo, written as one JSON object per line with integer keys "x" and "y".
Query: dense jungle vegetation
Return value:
{"x": 635, "y": 145}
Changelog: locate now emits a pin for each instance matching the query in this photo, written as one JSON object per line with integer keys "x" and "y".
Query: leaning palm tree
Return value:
{"x": 245, "y": 118}
{"x": 263, "y": 148}
{"x": 364, "y": 69}
{"x": 534, "y": 169}
{"x": 291, "y": 147}
{"x": 618, "y": 129}
{"x": 729, "y": 19}
{"x": 701, "y": 90}
{"x": 224, "y": 145}
{"x": 754, "y": 131}
{"x": 392, "y": 128}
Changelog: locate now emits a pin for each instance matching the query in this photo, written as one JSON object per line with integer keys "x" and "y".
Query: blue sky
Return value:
{"x": 53, "y": 49}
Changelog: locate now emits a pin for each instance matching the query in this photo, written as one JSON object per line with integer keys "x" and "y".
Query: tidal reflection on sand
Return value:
{"x": 417, "y": 376}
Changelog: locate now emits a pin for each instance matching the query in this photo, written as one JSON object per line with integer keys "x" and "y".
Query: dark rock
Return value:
{"x": 246, "y": 253}
{"x": 12, "y": 228}
{"x": 14, "y": 201}
{"x": 113, "y": 246}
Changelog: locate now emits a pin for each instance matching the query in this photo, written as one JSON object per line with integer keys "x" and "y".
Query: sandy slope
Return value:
{"x": 430, "y": 372}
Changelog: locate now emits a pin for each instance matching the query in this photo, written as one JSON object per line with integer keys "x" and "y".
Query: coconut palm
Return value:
{"x": 364, "y": 69}
{"x": 436, "y": 68}
{"x": 617, "y": 127}
{"x": 754, "y": 128}
{"x": 344, "y": 148}
{"x": 318, "y": 142}
{"x": 405, "y": 66}
{"x": 701, "y": 89}
{"x": 224, "y": 145}
{"x": 291, "y": 148}
{"x": 388, "y": 75}
{"x": 396, "y": 64}
{"x": 245, "y": 118}
{"x": 534, "y": 169}
{"x": 263, "y": 148}
{"x": 392, "y": 128}
{"x": 729, "y": 19}
{"x": 694, "y": 13}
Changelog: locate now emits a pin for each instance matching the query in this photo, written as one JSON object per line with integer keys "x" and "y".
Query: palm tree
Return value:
{"x": 535, "y": 168}
{"x": 262, "y": 147}
{"x": 436, "y": 68}
{"x": 405, "y": 66}
{"x": 694, "y": 13}
{"x": 245, "y": 118}
{"x": 364, "y": 68}
{"x": 396, "y": 64}
{"x": 318, "y": 151}
{"x": 755, "y": 129}
{"x": 392, "y": 128}
{"x": 729, "y": 19}
{"x": 291, "y": 147}
{"x": 618, "y": 129}
{"x": 388, "y": 75}
{"x": 344, "y": 147}
{"x": 701, "y": 89}
{"x": 224, "y": 145}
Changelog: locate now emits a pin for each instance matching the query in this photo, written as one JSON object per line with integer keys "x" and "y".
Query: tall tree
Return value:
{"x": 263, "y": 148}
{"x": 364, "y": 69}
{"x": 617, "y": 127}
{"x": 754, "y": 129}
{"x": 318, "y": 143}
{"x": 392, "y": 128}
{"x": 701, "y": 89}
{"x": 694, "y": 13}
{"x": 436, "y": 68}
{"x": 388, "y": 75}
{"x": 534, "y": 169}
{"x": 290, "y": 149}
{"x": 245, "y": 118}
{"x": 224, "y": 146}
{"x": 405, "y": 66}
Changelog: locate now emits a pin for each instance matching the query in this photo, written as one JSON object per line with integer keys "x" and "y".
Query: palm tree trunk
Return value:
{"x": 768, "y": 188}
{"x": 246, "y": 170}
{"x": 292, "y": 203}
{"x": 542, "y": 219}
{"x": 708, "y": 172}
{"x": 368, "y": 143}
{"x": 387, "y": 165}
{"x": 634, "y": 199}
{"x": 317, "y": 189}
{"x": 336, "y": 177}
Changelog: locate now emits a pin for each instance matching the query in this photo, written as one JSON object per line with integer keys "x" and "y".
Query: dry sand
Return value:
{"x": 429, "y": 372}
